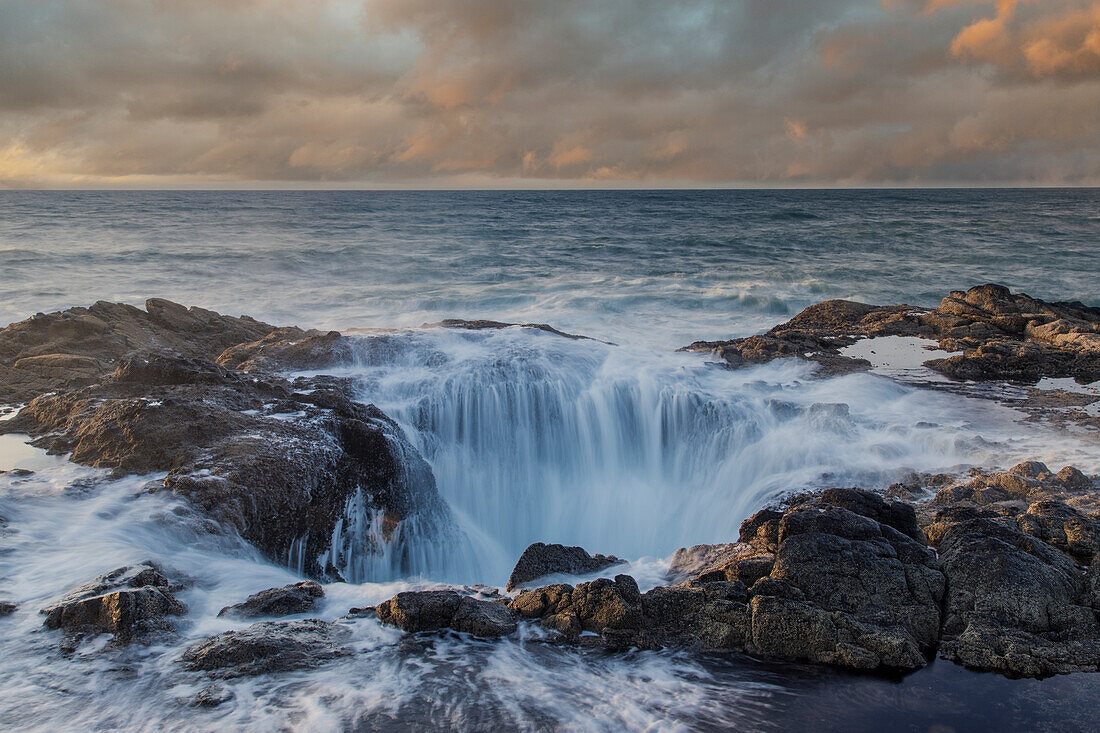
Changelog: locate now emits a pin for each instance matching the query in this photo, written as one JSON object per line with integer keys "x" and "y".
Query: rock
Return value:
{"x": 1063, "y": 527}
{"x": 212, "y": 696}
{"x": 126, "y": 602}
{"x": 268, "y": 646}
{"x": 69, "y": 349}
{"x": 420, "y": 610}
{"x": 7, "y": 608}
{"x": 283, "y": 484}
{"x": 483, "y": 618}
{"x": 595, "y": 606}
{"x": 285, "y": 601}
{"x": 541, "y": 559}
{"x": 828, "y": 584}
{"x": 1014, "y": 604}
{"x": 1001, "y": 336}
{"x": 696, "y": 560}
{"x": 415, "y": 611}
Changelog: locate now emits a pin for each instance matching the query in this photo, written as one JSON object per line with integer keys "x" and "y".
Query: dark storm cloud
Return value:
{"x": 498, "y": 92}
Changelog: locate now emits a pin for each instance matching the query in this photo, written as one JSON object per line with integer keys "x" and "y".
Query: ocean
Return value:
{"x": 619, "y": 444}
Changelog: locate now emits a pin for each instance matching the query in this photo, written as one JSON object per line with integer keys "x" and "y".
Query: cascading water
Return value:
{"x": 534, "y": 437}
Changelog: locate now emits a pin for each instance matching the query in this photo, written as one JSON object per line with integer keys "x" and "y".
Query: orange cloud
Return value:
{"x": 1044, "y": 42}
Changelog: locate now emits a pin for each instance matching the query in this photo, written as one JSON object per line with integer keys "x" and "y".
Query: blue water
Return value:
{"x": 659, "y": 267}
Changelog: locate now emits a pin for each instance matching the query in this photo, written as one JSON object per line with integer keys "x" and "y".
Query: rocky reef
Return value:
{"x": 199, "y": 396}
{"x": 1001, "y": 335}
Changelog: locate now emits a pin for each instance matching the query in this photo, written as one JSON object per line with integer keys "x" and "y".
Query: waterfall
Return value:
{"x": 533, "y": 437}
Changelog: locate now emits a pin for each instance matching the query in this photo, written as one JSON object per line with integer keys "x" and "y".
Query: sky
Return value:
{"x": 548, "y": 93}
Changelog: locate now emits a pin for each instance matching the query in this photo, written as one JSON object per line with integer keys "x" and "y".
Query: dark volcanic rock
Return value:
{"x": 827, "y": 579}
{"x": 541, "y": 559}
{"x": 1002, "y": 336}
{"x": 268, "y": 646}
{"x": 7, "y": 608}
{"x": 126, "y": 602}
{"x": 285, "y": 601}
{"x": 1014, "y": 604}
{"x": 225, "y": 439}
{"x": 436, "y": 609}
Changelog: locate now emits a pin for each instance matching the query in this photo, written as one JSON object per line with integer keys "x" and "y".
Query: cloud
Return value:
{"x": 528, "y": 92}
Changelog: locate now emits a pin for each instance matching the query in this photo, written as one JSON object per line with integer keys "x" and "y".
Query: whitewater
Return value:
{"x": 617, "y": 442}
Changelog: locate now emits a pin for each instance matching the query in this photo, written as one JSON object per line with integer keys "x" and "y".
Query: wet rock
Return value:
{"x": 540, "y": 559}
{"x": 285, "y": 601}
{"x": 1001, "y": 336}
{"x": 268, "y": 646}
{"x": 212, "y": 696}
{"x": 7, "y": 608}
{"x": 595, "y": 606}
{"x": 689, "y": 562}
{"x": 815, "y": 581}
{"x": 483, "y": 618}
{"x": 279, "y": 462}
{"x": 1014, "y": 604}
{"x": 126, "y": 602}
{"x": 482, "y": 325}
{"x": 420, "y": 610}
{"x": 415, "y": 611}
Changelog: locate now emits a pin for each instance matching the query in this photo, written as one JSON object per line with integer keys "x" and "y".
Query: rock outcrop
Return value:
{"x": 268, "y": 646}
{"x": 540, "y": 559}
{"x": 285, "y": 601}
{"x": 127, "y": 602}
{"x": 281, "y": 462}
{"x": 415, "y": 611}
{"x": 7, "y": 608}
{"x": 1014, "y": 604}
{"x": 830, "y": 579}
{"x": 1001, "y": 336}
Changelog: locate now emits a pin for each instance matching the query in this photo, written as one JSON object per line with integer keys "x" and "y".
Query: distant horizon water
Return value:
{"x": 664, "y": 267}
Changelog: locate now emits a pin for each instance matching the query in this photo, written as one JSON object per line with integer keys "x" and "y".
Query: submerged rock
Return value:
{"x": 7, "y": 608}
{"x": 415, "y": 611}
{"x": 268, "y": 646}
{"x": 285, "y": 601}
{"x": 540, "y": 559}
{"x": 212, "y": 696}
{"x": 126, "y": 602}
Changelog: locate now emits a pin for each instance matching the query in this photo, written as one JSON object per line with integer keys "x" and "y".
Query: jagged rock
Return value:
{"x": 815, "y": 581}
{"x": 541, "y": 559}
{"x": 436, "y": 609}
{"x": 285, "y": 601}
{"x": 1014, "y": 604}
{"x": 280, "y": 483}
{"x": 126, "y": 602}
{"x": 1001, "y": 335}
{"x": 7, "y": 608}
{"x": 1063, "y": 527}
{"x": 268, "y": 646}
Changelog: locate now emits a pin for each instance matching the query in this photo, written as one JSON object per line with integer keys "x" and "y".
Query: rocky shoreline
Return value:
{"x": 997, "y": 571}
